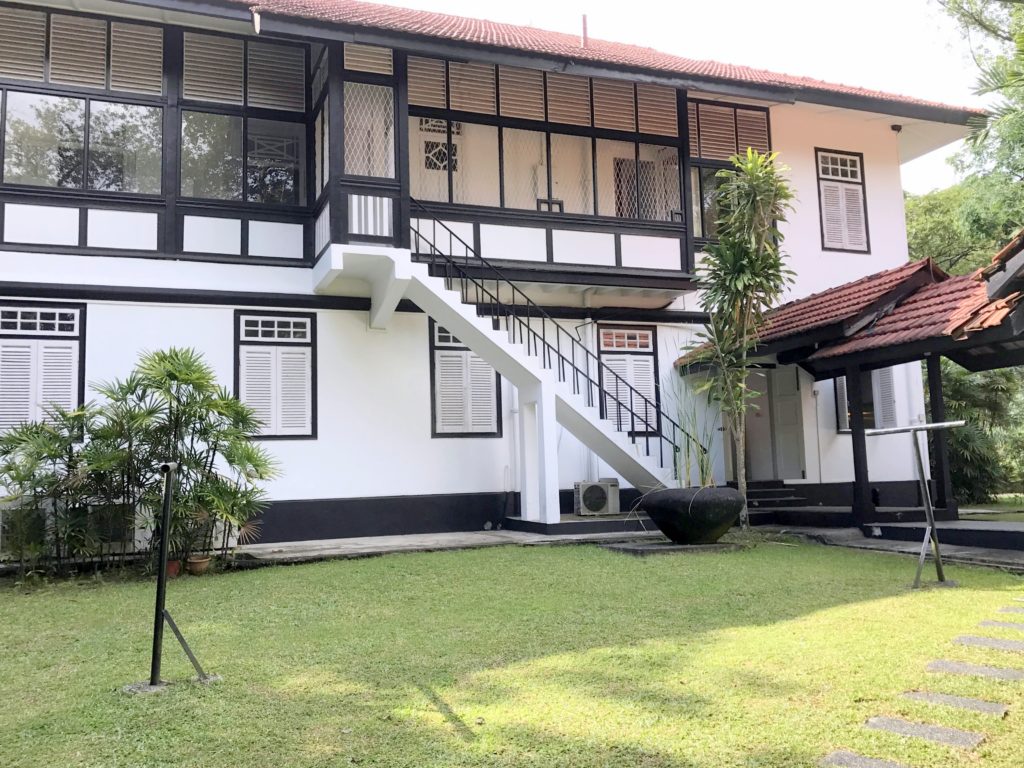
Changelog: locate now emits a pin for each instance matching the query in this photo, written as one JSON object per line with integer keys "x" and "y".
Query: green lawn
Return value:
{"x": 550, "y": 656}
{"x": 1007, "y": 508}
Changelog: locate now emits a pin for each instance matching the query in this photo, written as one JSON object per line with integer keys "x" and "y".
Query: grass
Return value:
{"x": 1007, "y": 508}
{"x": 553, "y": 656}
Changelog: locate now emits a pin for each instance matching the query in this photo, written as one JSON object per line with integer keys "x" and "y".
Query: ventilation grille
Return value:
{"x": 752, "y": 129}
{"x": 522, "y": 93}
{"x": 614, "y": 105}
{"x": 136, "y": 58}
{"x": 213, "y": 68}
{"x": 717, "y": 132}
{"x": 368, "y": 58}
{"x": 426, "y": 83}
{"x": 78, "y": 51}
{"x": 656, "y": 107}
{"x": 472, "y": 87}
{"x": 22, "y": 43}
{"x": 277, "y": 77}
{"x": 568, "y": 99}
{"x": 691, "y": 119}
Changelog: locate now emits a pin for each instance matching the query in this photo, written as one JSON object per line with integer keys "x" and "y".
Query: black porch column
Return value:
{"x": 940, "y": 447}
{"x": 336, "y": 131}
{"x": 863, "y": 509}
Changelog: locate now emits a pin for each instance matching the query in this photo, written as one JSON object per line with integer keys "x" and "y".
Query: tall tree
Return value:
{"x": 742, "y": 277}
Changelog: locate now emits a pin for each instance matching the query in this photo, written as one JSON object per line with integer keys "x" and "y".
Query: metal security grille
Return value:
{"x": 572, "y": 173}
{"x": 22, "y": 44}
{"x": 369, "y": 130}
{"x": 136, "y": 58}
{"x": 526, "y": 175}
{"x": 277, "y": 77}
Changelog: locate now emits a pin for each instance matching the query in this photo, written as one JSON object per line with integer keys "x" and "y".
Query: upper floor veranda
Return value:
{"x": 161, "y": 133}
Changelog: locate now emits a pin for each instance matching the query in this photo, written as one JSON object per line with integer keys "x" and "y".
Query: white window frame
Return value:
{"x": 842, "y": 173}
{"x": 36, "y": 327}
{"x": 279, "y": 346}
{"x": 444, "y": 344}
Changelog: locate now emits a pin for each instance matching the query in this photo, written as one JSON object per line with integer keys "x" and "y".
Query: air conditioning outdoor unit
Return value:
{"x": 600, "y": 498}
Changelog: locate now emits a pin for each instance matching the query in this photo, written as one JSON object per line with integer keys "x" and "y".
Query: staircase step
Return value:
{"x": 966, "y": 533}
{"x": 815, "y": 517}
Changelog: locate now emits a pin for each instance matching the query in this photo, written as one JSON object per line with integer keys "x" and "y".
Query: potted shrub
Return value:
{"x": 742, "y": 277}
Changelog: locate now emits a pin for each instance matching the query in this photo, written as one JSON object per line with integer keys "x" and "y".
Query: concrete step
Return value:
{"x": 966, "y": 533}
{"x": 815, "y": 517}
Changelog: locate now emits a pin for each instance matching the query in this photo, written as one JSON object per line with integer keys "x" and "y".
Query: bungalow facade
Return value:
{"x": 449, "y": 262}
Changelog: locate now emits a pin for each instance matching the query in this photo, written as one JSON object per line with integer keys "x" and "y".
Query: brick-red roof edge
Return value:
{"x": 563, "y": 45}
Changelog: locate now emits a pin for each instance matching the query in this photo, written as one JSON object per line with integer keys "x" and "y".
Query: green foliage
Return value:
{"x": 91, "y": 476}
{"x": 985, "y": 454}
{"x": 742, "y": 277}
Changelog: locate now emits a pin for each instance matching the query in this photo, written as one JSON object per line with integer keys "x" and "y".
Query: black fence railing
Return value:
{"x": 481, "y": 283}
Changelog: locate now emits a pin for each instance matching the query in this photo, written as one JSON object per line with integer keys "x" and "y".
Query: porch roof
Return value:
{"x": 571, "y": 47}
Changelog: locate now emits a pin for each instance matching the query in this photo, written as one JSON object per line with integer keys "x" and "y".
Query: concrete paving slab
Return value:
{"x": 853, "y": 760}
{"x": 1002, "y": 624}
{"x": 1011, "y": 609}
{"x": 975, "y": 670}
{"x": 951, "y": 737}
{"x": 994, "y": 643}
{"x": 959, "y": 702}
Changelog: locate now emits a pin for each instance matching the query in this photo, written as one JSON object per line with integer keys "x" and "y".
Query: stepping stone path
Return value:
{"x": 977, "y": 670}
{"x": 959, "y": 702}
{"x": 952, "y": 737}
{"x": 1015, "y": 646}
{"x": 852, "y": 760}
{"x": 1003, "y": 624}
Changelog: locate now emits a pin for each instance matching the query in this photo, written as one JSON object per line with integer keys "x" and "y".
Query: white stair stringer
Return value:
{"x": 526, "y": 372}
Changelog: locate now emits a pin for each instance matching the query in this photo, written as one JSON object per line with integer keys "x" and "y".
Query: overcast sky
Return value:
{"x": 901, "y": 46}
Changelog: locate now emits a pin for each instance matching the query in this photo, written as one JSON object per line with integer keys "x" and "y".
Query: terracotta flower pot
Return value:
{"x": 198, "y": 565}
{"x": 693, "y": 515}
{"x": 173, "y": 568}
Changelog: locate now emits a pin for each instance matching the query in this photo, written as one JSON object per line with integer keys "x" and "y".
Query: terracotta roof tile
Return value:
{"x": 558, "y": 44}
{"x": 842, "y": 304}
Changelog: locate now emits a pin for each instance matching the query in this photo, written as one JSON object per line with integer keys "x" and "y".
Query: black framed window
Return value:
{"x": 843, "y": 203}
{"x": 465, "y": 392}
{"x": 275, "y": 370}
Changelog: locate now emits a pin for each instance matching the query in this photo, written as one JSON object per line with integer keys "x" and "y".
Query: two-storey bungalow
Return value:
{"x": 449, "y": 262}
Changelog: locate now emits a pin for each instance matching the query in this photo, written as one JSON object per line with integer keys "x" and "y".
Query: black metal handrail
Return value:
{"x": 521, "y": 315}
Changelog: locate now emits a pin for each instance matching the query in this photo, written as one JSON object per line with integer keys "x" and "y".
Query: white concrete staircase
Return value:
{"x": 646, "y": 463}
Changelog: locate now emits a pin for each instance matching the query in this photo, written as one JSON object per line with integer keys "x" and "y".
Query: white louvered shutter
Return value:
{"x": 78, "y": 51}
{"x": 213, "y": 68}
{"x": 656, "y": 107}
{"x": 256, "y": 383}
{"x": 277, "y": 77}
{"x": 294, "y": 385}
{"x": 427, "y": 84}
{"x": 22, "y": 44}
{"x": 717, "y": 131}
{"x": 483, "y": 394}
{"x": 614, "y": 105}
{"x": 842, "y": 405}
{"x": 472, "y": 87}
{"x": 692, "y": 126}
{"x": 617, "y": 394}
{"x": 56, "y": 375}
{"x": 450, "y": 391}
{"x": 842, "y": 216}
{"x": 643, "y": 377}
{"x": 368, "y": 58}
{"x": 136, "y": 58}
{"x": 752, "y": 130}
{"x": 521, "y": 92}
{"x": 568, "y": 99}
{"x": 16, "y": 377}
{"x": 885, "y": 398}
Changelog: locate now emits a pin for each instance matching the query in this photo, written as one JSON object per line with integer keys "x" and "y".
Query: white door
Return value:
{"x": 787, "y": 424}
{"x": 760, "y": 458}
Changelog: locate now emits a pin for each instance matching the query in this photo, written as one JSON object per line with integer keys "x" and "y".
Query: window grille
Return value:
{"x": 275, "y": 330}
{"x": 369, "y": 130}
{"x": 19, "y": 321}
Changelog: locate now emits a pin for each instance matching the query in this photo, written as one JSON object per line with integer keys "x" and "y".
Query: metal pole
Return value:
{"x": 167, "y": 470}
{"x": 930, "y": 534}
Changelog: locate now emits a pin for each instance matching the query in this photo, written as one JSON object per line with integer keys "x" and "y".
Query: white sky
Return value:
{"x": 901, "y": 46}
